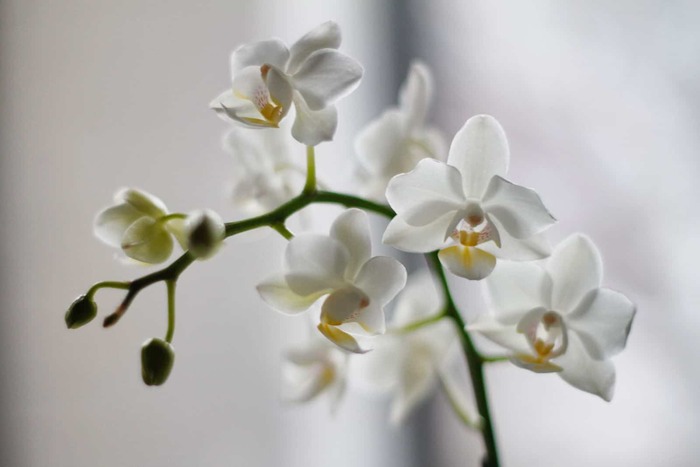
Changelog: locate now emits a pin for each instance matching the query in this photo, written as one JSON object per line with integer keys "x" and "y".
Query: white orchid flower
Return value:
{"x": 340, "y": 267}
{"x": 395, "y": 142}
{"x": 556, "y": 317}
{"x": 140, "y": 225}
{"x": 468, "y": 201}
{"x": 266, "y": 176}
{"x": 268, "y": 77}
{"x": 408, "y": 364}
{"x": 316, "y": 368}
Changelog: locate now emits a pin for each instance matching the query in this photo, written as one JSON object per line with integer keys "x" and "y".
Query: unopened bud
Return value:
{"x": 205, "y": 231}
{"x": 81, "y": 311}
{"x": 157, "y": 358}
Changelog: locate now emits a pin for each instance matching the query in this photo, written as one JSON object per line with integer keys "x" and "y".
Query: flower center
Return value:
{"x": 474, "y": 228}
{"x": 474, "y": 215}
{"x": 547, "y": 336}
{"x": 272, "y": 111}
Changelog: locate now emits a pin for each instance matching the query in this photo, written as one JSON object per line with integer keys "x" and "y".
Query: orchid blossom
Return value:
{"x": 265, "y": 173}
{"x": 395, "y": 142}
{"x": 468, "y": 201}
{"x": 316, "y": 368}
{"x": 268, "y": 77}
{"x": 140, "y": 225}
{"x": 408, "y": 362}
{"x": 338, "y": 266}
{"x": 556, "y": 317}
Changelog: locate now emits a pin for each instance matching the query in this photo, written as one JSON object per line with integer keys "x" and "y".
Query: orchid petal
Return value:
{"x": 147, "y": 240}
{"x": 343, "y": 305}
{"x": 323, "y": 36}
{"x": 142, "y": 201}
{"x": 514, "y": 288}
{"x": 379, "y": 369}
{"x": 381, "y": 278}
{"x": 314, "y": 263}
{"x": 379, "y": 145}
{"x": 416, "y": 93}
{"x": 312, "y": 127}
{"x": 271, "y": 52}
{"x": 532, "y": 248}
{"x": 479, "y": 151}
{"x": 276, "y": 293}
{"x": 372, "y": 320}
{"x": 468, "y": 262}
{"x": 416, "y": 381}
{"x": 111, "y": 223}
{"x": 603, "y": 320}
{"x": 427, "y": 193}
{"x": 502, "y": 334}
{"x": 326, "y": 76}
{"x": 229, "y": 106}
{"x": 351, "y": 229}
{"x": 419, "y": 299}
{"x": 280, "y": 90}
{"x": 421, "y": 239}
{"x": 341, "y": 339}
{"x": 576, "y": 268}
{"x": 427, "y": 142}
{"x": 584, "y": 372}
{"x": 518, "y": 209}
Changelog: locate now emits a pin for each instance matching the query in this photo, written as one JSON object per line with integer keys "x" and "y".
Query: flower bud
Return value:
{"x": 157, "y": 358}
{"x": 205, "y": 231}
{"x": 81, "y": 312}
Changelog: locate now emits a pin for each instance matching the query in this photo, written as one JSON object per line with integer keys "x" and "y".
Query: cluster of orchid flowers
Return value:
{"x": 455, "y": 206}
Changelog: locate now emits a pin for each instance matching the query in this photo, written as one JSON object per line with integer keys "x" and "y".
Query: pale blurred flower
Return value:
{"x": 468, "y": 200}
{"x": 556, "y": 317}
{"x": 140, "y": 225}
{"x": 205, "y": 231}
{"x": 267, "y": 77}
{"x": 399, "y": 138}
{"x": 409, "y": 363}
{"x": 340, "y": 267}
{"x": 316, "y": 368}
{"x": 265, "y": 173}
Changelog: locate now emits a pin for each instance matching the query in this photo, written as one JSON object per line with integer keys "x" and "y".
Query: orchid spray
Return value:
{"x": 455, "y": 208}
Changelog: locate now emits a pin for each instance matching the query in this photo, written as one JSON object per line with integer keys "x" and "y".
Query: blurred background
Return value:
{"x": 600, "y": 100}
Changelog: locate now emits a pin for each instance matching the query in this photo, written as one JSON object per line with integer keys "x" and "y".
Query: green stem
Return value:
{"x": 495, "y": 358}
{"x": 476, "y": 366}
{"x": 457, "y": 408}
{"x": 283, "y": 230}
{"x": 275, "y": 217}
{"x": 175, "y": 215}
{"x": 283, "y": 212}
{"x": 419, "y": 324}
{"x": 170, "y": 284}
{"x": 171, "y": 272}
{"x": 106, "y": 284}
{"x": 310, "y": 185}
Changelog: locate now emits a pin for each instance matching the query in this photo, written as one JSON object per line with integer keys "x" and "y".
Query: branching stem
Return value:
{"x": 276, "y": 219}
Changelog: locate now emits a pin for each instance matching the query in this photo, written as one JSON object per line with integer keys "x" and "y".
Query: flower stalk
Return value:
{"x": 476, "y": 366}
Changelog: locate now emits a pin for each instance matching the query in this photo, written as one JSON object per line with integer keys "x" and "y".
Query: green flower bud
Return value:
{"x": 157, "y": 358}
{"x": 81, "y": 312}
{"x": 205, "y": 231}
